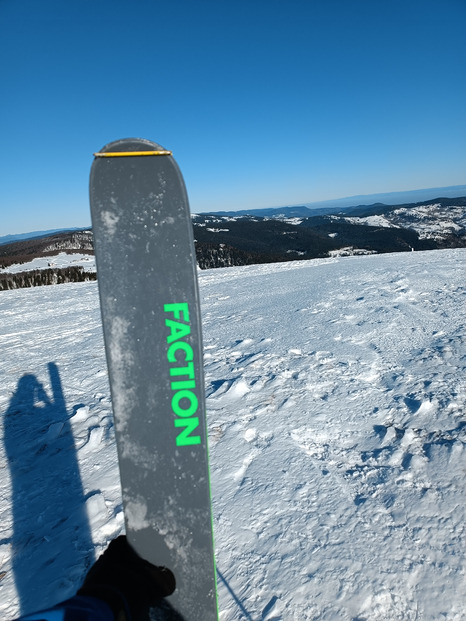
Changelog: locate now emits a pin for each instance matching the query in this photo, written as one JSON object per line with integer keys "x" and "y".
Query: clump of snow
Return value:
{"x": 137, "y": 514}
{"x": 337, "y": 422}
{"x": 110, "y": 220}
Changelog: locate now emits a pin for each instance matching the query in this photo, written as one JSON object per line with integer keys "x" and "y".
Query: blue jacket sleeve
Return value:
{"x": 77, "y": 608}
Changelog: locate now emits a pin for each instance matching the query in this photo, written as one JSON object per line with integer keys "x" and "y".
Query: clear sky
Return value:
{"x": 263, "y": 102}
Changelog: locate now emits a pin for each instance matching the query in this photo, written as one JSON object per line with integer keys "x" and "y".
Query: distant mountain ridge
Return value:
{"x": 8, "y": 239}
{"x": 290, "y": 234}
{"x": 283, "y": 235}
{"x": 26, "y": 249}
{"x": 319, "y": 208}
{"x": 393, "y": 198}
{"x": 305, "y": 210}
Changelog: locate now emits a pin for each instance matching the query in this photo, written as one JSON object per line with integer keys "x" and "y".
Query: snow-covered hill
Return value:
{"x": 60, "y": 260}
{"x": 336, "y": 402}
{"x": 434, "y": 221}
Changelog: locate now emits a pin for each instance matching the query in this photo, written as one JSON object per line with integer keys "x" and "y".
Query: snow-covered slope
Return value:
{"x": 336, "y": 402}
{"x": 61, "y": 259}
{"x": 432, "y": 221}
{"x": 435, "y": 221}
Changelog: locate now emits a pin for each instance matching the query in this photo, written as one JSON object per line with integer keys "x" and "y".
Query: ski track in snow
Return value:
{"x": 336, "y": 397}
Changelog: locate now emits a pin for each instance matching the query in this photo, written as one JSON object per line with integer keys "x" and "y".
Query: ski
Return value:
{"x": 147, "y": 276}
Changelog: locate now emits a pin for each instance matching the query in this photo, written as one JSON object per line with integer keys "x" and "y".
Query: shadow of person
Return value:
{"x": 51, "y": 543}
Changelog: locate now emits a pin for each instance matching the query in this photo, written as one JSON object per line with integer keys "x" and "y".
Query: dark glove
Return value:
{"x": 127, "y": 583}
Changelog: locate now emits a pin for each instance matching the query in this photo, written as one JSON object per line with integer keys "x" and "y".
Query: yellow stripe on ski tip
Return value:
{"x": 131, "y": 153}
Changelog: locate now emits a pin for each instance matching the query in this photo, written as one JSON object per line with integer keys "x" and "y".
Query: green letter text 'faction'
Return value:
{"x": 184, "y": 402}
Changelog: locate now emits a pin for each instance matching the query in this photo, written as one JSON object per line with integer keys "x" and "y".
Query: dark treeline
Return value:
{"x": 222, "y": 255}
{"x": 37, "y": 278}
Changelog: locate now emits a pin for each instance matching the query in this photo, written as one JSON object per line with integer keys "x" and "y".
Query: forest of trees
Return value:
{"x": 225, "y": 241}
{"x": 209, "y": 256}
{"x": 36, "y": 278}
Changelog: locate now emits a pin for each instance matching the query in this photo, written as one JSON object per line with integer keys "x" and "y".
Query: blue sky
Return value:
{"x": 263, "y": 102}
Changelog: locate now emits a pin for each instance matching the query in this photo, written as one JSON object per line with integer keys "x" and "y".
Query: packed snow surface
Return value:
{"x": 336, "y": 409}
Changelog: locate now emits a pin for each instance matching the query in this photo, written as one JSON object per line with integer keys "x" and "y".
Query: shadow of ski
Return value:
{"x": 234, "y": 596}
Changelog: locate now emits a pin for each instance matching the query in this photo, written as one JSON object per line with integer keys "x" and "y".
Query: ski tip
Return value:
{"x": 131, "y": 153}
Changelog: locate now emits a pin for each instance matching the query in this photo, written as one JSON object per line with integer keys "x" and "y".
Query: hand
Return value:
{"x": 127, "y": 583}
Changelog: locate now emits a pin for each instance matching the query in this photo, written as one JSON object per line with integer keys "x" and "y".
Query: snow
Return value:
{"x": 336, "y": 409}
{"x": 429, "y": 221}
{"x": 294, "y": 220}
{"x": 432, "y": 221}
{"x": 379, "y": 221}
{"x": 60, "y": 260}
{"x": 349, "y": 251}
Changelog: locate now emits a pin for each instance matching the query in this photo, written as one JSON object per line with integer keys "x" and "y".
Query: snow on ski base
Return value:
{"x": 336, "y": 403}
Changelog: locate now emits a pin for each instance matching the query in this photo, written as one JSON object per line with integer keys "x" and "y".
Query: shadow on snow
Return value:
{"x": 51, "y": 542}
